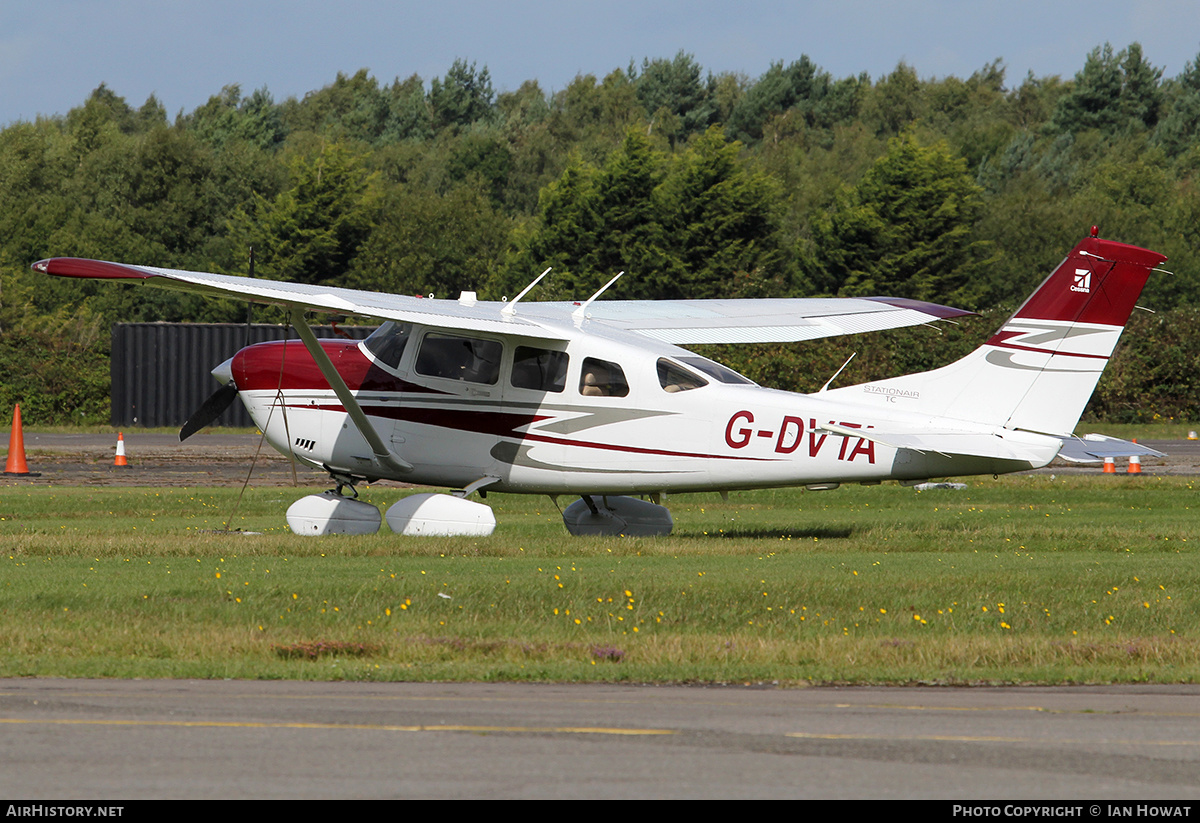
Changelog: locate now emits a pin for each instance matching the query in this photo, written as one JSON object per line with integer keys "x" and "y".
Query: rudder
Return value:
{"x": 1039, "y": 370}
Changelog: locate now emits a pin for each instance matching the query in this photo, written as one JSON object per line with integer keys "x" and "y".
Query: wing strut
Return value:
{"x": 382, "y": 453}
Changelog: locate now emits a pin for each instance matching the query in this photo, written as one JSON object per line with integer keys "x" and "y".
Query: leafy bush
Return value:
{"x": 60, "y": 376}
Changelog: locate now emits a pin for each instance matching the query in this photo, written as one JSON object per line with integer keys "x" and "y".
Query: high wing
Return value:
{"x": 680, "y": 322}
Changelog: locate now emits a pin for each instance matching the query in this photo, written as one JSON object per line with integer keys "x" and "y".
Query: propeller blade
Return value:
{"x": 209, "y": 411}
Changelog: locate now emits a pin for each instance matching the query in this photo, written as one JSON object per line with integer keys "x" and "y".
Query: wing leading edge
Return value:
{"x": 679, "y": 322}
{"x": 444, "y": 313}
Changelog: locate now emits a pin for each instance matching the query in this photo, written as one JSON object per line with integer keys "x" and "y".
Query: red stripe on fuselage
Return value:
{"x": 500, "y": 424}
{"x": 505, "y": 424}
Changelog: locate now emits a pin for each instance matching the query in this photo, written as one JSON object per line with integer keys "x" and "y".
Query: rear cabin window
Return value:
{"x": 471, "y": 359}
{"x": 539, "y": 369}
{"x": 601, "y": 378}
{"x": 675, "y": 378}
{"x": 386, "y": 344}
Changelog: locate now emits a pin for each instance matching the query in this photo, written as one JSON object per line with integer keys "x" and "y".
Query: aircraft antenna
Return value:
{"x": 249, "y": 305}
{"x": 511, "y": 305}
{"x": 581, "y": 312}
{"x": 839, "y": 371}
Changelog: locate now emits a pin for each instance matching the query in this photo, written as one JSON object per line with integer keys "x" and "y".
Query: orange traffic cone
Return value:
{"x": 120, "y": 460}
{"x": 1110, "y": 466}
{"x": 16, "y": 447}
{"x": 1135, "y": 463}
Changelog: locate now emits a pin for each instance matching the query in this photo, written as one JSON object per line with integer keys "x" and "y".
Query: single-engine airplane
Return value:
{"x": 598, "y": 399}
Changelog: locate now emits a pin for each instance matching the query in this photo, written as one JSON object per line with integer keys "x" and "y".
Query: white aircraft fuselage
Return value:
{"x": 454, "y": 430}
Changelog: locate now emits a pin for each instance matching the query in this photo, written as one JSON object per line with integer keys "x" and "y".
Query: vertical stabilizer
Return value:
{"x": 1039, "y": 370}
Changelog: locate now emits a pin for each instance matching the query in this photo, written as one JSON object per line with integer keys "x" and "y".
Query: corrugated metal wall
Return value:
{"x": 160, "y": 371}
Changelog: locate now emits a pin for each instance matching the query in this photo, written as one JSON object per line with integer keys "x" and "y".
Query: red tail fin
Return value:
{"x": 1038, "y": 371}
{"x": 1098, "y": 283}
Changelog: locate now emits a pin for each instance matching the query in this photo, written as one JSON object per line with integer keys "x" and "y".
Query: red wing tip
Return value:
{"x": 96, "y": 269}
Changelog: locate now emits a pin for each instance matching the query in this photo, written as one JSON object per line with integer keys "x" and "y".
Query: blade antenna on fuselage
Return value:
{"x": 511, "y": 305}
{"x": 249, "y": 304}
{"x": 839, "y": 371}
{"x": 581, "y": 312}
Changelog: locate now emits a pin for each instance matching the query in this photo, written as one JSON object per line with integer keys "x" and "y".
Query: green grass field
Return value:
{"x": 1023, "y": 579}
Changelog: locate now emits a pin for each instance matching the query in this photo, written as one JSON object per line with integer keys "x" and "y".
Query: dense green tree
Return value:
{"x": 463, "y": 97}
{"x": 483, "y": 156}
{"x": 801, "y": 87}
{"x": 905, "y": 230}
{"x": 351, "y": 107}
{"x": 696, "y": 225}
{"x": 1179, "y": 128}
{"x": 719, "y": 225}
{"x": 426, "y": 242}
{"x": 1112, "y": 93}
{"x": 596, "y": 221}
{"x": 591, "y": 117}
{"x": 535, "y": 154}
{"x": 311, "y": 232}
{"x": 896, "y": 102}
{"x": 228, "y": 117}
{"x": 409, "y": 116}
{"x": 677, "y": 102}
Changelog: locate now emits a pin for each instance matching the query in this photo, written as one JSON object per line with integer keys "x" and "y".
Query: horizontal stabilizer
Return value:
{"x": 1094, "y": 448}
{"x": 1011, "y": 445}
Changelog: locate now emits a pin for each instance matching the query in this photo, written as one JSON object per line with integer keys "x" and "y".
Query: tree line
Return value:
{"x": 794, "y": 183}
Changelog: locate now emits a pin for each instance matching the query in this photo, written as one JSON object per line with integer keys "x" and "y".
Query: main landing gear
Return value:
{"x": 332, "y": 512}
{"x": 614, "y": 516}
{"x": 435, "y": 514}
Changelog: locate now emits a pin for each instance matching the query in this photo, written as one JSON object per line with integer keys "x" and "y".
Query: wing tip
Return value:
{"x": 89, "y": 269}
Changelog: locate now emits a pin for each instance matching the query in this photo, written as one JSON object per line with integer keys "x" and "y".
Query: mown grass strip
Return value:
{"x": 1031, "y": 579}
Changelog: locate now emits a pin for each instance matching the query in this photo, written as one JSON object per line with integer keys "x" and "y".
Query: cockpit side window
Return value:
{"x": 539, "y": 369}
{"x": 470, "y": 359}
{"x": 386, "y": 344}
{"x": 674, "y": 378}
{"x": 601, "y": 378}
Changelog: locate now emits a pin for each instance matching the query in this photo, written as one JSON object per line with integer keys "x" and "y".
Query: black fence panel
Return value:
{"x": 161, "y": 371}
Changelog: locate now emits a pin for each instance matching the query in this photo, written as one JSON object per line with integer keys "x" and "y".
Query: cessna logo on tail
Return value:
{"x": 1083, "y": 281}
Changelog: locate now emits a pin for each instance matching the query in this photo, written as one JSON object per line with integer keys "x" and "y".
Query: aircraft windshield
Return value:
{"x": 716, "y": 370}
{"x": 387, "y": 342}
